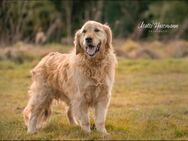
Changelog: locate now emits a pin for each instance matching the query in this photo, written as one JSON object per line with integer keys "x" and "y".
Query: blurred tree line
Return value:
{"x": 58, "y": 20}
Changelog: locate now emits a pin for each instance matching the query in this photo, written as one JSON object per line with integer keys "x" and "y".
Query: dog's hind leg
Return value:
{"x": 38, "y": 105}
{"x": 43, "y": 117}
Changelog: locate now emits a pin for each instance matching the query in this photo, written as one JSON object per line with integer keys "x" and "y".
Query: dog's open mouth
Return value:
{"x": 92, "y": 50}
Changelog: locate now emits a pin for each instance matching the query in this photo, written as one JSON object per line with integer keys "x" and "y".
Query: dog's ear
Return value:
{"x": 77, "y": 42}
{"x": 108, "y": 31}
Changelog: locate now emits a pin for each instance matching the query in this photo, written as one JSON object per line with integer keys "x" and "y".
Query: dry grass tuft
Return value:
{"x": 151, "y": 50}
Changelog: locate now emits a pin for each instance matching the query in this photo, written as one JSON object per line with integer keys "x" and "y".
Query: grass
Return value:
{"x": 149, "y": 101}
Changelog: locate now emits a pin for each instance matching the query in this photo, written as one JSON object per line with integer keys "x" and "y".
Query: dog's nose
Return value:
{"x": 88, "y": 40}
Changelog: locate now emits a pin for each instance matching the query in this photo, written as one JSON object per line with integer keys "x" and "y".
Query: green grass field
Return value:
{"x": 150, "y": 101}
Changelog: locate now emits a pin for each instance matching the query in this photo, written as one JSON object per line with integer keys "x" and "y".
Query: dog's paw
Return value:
{"x": 30, "y": 131}
{"x": 102, "y": 131}
{"x": 93, "y": 127}
{"x": 86, "y": 129}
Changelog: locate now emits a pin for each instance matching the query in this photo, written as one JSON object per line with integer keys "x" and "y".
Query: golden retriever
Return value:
{"x": 82, "y": 79}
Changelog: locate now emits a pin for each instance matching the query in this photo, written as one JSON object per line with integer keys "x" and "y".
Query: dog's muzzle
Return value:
{"x": 92, "y": 50}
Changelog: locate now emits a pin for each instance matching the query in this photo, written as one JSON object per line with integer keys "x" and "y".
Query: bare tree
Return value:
{"x": 182, "y": 29}
{"x": 68, "y": 11}
{"x": 55, "y": 25}
{"x": 99, "y": 7}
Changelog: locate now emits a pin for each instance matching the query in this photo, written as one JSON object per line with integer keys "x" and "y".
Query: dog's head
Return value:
{"x": 93, "y": 39}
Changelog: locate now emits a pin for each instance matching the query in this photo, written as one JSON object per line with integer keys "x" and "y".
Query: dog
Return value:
{"x": 81, "y": 79}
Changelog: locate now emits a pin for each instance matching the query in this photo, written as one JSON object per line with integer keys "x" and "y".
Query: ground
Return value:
{"x": 149, "y": 101}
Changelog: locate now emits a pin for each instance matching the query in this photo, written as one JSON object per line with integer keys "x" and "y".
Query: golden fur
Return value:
{"x": 82, "y": 79}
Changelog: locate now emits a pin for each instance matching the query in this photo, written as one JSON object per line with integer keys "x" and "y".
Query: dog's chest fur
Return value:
{"x": 93, "y": 80}
{"x": 92, "y": 91}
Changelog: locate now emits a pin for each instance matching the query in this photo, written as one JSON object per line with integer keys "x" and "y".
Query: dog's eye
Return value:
{"x": 84, "y": 31}
{"x": 96, "y": 30}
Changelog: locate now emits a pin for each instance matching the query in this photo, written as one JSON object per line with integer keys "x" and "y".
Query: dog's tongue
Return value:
{"x": 91, "y": 50}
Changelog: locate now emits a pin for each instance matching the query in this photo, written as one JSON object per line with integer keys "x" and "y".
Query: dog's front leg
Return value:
{"x": 80, "y": 110}
{"x": 84, "y": 117}
{"x": 101, "y": 108}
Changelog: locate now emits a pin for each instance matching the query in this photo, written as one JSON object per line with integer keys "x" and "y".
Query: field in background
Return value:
{"x": 149, "y": 96}
{"x": 128, "y": 49}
